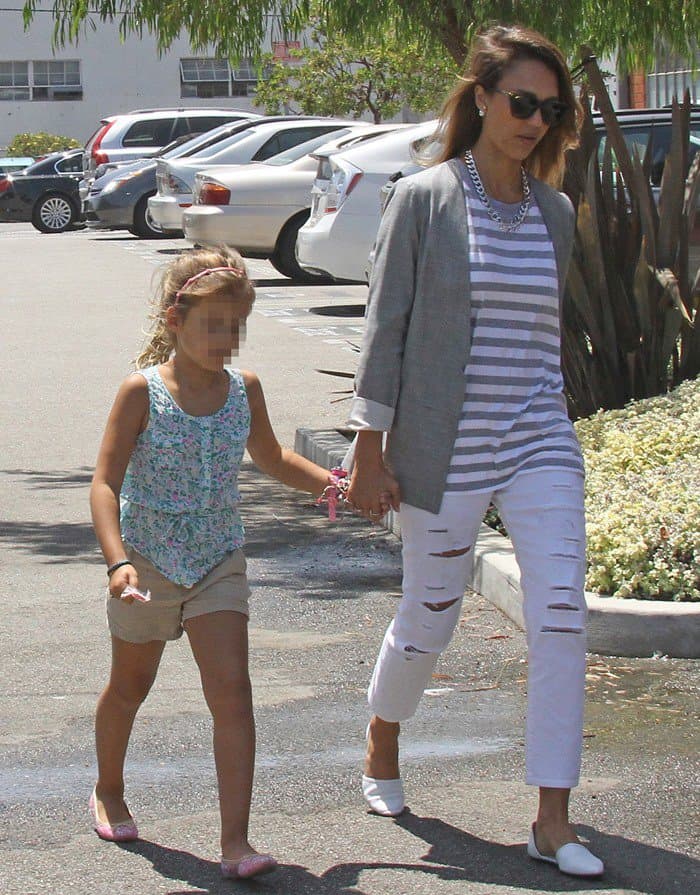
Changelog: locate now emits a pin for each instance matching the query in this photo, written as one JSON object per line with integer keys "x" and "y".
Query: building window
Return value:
{"x": 57, "y": 80}
{"x": 14, "y": 81}
{"x": 205, "y": 78}
{"x": 41, "y": 80}
{"x": 671, "y": 77}
{"x": 208, "y": 77}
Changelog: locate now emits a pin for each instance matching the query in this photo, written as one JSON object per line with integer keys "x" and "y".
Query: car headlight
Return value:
{"x": 119, "y": 182}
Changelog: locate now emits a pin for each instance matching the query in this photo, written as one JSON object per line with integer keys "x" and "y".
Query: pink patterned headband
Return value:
{"x": 203, "y": 273}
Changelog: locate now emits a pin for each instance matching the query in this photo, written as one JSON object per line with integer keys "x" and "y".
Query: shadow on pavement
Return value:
{"x": 55, "y": 478}
{"x": 59, "y": 542}
{"x": 631, "y": 866}
{"x": 332, "y": 560}
{"x": 452, "y": 855}
{"x": 282, "y": 281}
{"x": 206, "y": 876}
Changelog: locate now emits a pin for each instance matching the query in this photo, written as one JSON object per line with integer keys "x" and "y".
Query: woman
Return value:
{"x": 461, "y": 367}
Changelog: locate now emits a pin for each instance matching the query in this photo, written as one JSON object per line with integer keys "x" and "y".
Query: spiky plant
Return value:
{"x": 631, "y": 327}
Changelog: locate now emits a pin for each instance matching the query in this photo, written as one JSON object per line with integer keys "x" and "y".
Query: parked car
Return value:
{"x": 263, "y": 140}
{"x": 118, "y": 200}
{"x": 259, "y": 208}
{"x": 345, "y": 212}
{"x": 144, "y": 132}
{"x": 13, "y": 164}
{"x": 69, "y": 161}
{"x": 641, "y": 127}
{"x": 50, "y": 200}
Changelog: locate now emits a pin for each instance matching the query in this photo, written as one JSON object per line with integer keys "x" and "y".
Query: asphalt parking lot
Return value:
{"x": 73, "y": 307}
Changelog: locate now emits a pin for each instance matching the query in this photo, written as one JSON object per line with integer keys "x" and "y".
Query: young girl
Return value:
{"x": 164, "y": 502}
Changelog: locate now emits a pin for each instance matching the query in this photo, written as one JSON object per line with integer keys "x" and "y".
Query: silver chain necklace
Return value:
{"x": 506, "y": 226}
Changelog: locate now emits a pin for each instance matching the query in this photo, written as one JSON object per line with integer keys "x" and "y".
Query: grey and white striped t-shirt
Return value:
{"x": 514, "y": 416}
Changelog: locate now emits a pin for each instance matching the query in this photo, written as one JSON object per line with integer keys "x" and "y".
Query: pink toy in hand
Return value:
{"x": 334, "y": 493}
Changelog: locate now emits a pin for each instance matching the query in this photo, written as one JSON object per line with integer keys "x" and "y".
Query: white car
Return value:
{"x": 175, "y": 179}
{"x": 259, "y": 208}
{"x": 346, "y": 206}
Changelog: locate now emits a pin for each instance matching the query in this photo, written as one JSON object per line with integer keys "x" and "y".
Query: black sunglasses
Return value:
{"x": 525, "y": 104}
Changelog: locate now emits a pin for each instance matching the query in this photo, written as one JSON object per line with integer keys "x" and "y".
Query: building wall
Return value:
{"x": 116, "y": 77}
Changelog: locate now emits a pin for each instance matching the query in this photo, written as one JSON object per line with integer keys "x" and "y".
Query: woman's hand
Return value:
{"x": 373, "y": 491}
{"x": 119, "y": 579}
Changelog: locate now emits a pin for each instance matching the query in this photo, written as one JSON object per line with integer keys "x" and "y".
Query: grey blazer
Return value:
{"x": 410, "y": 381}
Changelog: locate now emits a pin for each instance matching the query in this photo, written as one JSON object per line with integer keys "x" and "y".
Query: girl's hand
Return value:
{"x": 120, "y": 578}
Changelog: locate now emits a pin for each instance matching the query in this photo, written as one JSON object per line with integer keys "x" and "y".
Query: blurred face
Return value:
{"x": 212, "y": 330}
{"x": 517, "y": 137}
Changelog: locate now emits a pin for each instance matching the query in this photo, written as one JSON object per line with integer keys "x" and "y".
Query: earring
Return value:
{"x": 482, "y": 112}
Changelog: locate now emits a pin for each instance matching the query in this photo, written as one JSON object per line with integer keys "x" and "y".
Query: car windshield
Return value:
{"x": 207, "y": 150}
{"x": 214, "y": 136}
{"x": 176, "y": 147}
{"x": 302, "y": 149}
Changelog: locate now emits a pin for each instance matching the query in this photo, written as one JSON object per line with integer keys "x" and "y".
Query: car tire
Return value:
{"x": 284, "y": 259}
{"x": 144, "y": 226}
{"x": 54, "y": 213}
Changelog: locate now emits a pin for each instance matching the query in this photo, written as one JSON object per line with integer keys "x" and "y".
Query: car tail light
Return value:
{"x": 344, "y": 178}
{"x": 5, "y": 184}
{"x": 99, "y": 157}
{"x": 211, "y": 193}
{"x": 175, "y": 185}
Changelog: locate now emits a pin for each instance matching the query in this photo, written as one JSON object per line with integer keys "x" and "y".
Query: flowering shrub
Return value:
{"x": 40, "y": 144}
{"x": 642, "y": 490}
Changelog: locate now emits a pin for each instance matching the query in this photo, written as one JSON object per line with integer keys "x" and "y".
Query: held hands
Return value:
{"x": 374, "y": 491}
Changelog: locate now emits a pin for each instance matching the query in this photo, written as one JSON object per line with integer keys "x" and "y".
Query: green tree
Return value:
{"x": 340, "y": 77}
{"x": 237, "y": 27}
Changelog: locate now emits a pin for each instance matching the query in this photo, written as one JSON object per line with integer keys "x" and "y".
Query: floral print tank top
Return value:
{"x": 179, "y": 500}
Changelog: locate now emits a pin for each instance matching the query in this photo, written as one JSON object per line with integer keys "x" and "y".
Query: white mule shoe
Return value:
{"x": 385, "y": 797}
{"x": 573, "y": 858}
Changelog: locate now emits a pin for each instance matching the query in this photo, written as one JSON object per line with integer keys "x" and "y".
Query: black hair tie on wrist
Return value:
{"x": 118, "y": 565}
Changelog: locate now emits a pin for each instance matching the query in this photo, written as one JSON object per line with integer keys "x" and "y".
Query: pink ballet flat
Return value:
{"x": 123, "y": 832}
{"x": 251, "y": 865}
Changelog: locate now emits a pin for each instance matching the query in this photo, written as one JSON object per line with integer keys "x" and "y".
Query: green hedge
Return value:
{"x": 40, "y": 144}
{"x": 643, "y": 497}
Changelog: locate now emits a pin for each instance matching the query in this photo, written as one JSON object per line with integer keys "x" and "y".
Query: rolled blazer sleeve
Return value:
{"x": 389, "y": 305}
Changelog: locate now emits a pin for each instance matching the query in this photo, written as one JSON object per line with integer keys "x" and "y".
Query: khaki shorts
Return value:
{"x": 225, "y": 588}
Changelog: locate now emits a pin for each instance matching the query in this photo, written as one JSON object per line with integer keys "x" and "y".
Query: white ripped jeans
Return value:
{"x": 543, "y": 511}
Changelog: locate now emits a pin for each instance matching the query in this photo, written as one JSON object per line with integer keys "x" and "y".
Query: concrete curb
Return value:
{"x": 615, "y": 627}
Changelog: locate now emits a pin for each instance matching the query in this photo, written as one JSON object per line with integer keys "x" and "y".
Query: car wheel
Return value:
{"x": 144, "y": 225}
{"x": 284, "y": 258}
{"x": 54, "y": 213}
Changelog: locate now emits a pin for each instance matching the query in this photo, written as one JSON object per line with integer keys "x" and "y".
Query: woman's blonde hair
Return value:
{"x": 176, "y": 290}
{"x": 491, "y": 53}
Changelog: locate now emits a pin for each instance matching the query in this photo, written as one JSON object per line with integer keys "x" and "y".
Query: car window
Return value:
{"x": 638, "y": 137}
{"x": 286, "y": 139}
{"x": 208, "y": 122}
{"x": 44, "y": 166}
{"x": 149, "y": 132}
{"x": 297, "y": 152}
{"x": 70, "y": 165}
